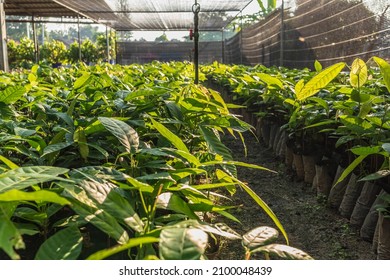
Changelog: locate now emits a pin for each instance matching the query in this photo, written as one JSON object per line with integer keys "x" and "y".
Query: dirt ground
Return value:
{"x": 310, "y": 225}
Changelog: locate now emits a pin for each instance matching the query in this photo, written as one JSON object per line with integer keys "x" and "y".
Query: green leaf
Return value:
{"x": 270, "y": 80}
{"x": 126, "y": 135}
{"x": 172, "y": 201}
{"x": 320, "y": 81}
{"x": 12, "y": 94}
{"x": 80, "y": 138}
{"x": 82, "y": 81}
{"x": 317, "y": 66}
{"x": 7, "y": 162}
{"x": 216, "y": 146}
{"x": 53, "y": 148}
{"x": 351, "y": 167}
{"x": 359, "y": 73}
{"x": 63, "y": 245}
{"x": 385, "y": 70}
{"x": 133, "y": 242}
{"x": 298, "y": 88}
{"x": 283, "y": 251}
{"x": 112, "y": 202}
{"x": 24, "y": 177}
{"x": 259, "y": 236}
{"x": 220, "y": 174}
{"x": 41, "y": 195}
{"x": 182, "y": 243}
{"x": 88, "y": 209}
{"x": 170, "y": 136}
{"x": 365, "y": 151}
{"x": 386, "y": 147}
{"x": 6, "y": 111}
{"x": 10, "y": 236}
{"x": 376, "y": 176}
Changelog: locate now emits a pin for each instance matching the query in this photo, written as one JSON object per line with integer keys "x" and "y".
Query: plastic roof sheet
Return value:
{"x": 43, "y": 8}
{"x": 157, "y": 14}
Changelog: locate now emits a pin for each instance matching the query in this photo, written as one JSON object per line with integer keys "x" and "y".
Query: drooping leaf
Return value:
{"x": 257, "y": 199}
{"x": 259, "y": 236}
{"x": 216, "y": 146}
{"x": 376, "y": 176}
{"x": 53, "y": 148}
{"x": 182, "y": 243}
{"x": 351, "y": 167}
{"x": 80, "y": 138}
{"x": 27, "y": 176}
{"x": 365, "y": 151}
{"x": 126, "y": 135}
{"x": 283, "y": 251}
{"x": 319, "y": 81}
{"x": 133, "y": 242}
{"x": 63, "y": 245}
{"x": 170, "y": 136}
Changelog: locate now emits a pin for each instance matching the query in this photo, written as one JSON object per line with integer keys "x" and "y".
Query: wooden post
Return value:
{"x": 196, "y": 10}
{"x": 79, "y": 36}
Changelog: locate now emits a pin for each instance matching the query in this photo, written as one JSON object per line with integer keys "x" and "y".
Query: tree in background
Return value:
{"x": 53, "y": 52}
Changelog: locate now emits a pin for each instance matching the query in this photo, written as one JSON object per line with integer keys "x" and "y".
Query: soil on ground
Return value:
{"x": 311, "y": 226}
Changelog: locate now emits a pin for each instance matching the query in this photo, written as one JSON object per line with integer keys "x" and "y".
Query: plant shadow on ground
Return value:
{"x": 311, "y": 226}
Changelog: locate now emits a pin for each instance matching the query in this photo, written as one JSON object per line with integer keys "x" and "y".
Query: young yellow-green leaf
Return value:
{"x": 298, "y": 87}
{"x": 81, "y": 81}
{"x": 7, "y": 162}
{"x": 10, "y": 236}
{"x": 170, "y": 136}
{"x": 319, "y": 81}
{"x": 12, "y": 94}
{"x": 41, "y": 195}
{"x": 317, "y": 66}
{"x": 385, "y": 70}
{"x": 359, "y": 73}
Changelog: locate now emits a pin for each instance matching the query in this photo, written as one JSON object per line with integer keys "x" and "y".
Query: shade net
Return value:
{"x": 157, "y": 14}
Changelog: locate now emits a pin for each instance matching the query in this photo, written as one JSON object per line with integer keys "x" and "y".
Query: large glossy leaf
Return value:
{"x": 24, "y": 177}
{"x": 107, "y": 199}
{"x": 12, "y": 94}
{"x": 63, "y": 245}
{"x": 320, "y": 81}
{"x": 259, "y": 236}
{"x": 133, "y": 242}
{"x": 126, "y": 135}
{"x": 359, "y": 73}
{"x": 284, "y": 252}
{"x": 170, "y": 136}
{"x": 89, "y": 210}
{"x": 182, "y": 243}
{"x": 38, "y": 196}
{"x": 82, "y": 80}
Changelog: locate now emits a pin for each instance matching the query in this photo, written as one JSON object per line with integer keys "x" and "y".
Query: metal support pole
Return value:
{"x": 282, "y": 34}
{"x": 241, "y": 51}
{"x": 108, "y": 44}
{"x": 79, "y": 36}
{"x": 223, "y": 45}
{"x": 3, "y": 39}
{"x": 36, "y": 49}
{"x": 196, "y": 10}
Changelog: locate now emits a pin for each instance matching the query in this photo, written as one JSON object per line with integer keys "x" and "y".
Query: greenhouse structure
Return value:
{"x": 259, "y": 134}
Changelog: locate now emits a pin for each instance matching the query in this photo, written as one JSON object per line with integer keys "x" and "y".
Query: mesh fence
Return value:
{"x": 144, "y": 52}
{"x": 329, "y": 31}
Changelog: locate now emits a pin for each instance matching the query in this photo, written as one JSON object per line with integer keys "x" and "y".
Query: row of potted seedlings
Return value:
{"x": 330, "y": 127}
